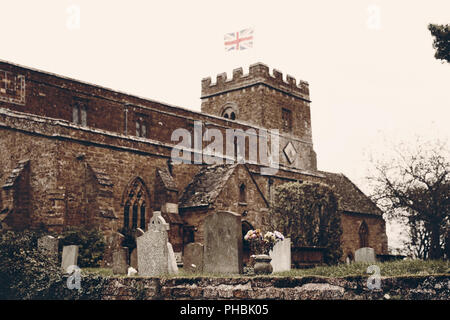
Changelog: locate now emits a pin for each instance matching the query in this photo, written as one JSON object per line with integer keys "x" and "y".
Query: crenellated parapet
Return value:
{"x": 258, "y": 74}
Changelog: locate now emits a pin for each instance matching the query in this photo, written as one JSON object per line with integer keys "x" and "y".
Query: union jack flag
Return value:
{"x": 240, "y": 40}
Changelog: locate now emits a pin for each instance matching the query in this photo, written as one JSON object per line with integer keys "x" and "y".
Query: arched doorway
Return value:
{"x": 246, "y": 226}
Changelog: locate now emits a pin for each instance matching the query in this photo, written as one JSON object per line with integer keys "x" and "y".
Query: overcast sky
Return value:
{"x": 370, "y": 64}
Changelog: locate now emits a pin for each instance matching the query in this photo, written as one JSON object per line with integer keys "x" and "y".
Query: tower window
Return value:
{"x": 141, "y": 126}
{"x": 286, "y": 119}
{"x": 79, "y": 112}
{"x": 229, "y": 113}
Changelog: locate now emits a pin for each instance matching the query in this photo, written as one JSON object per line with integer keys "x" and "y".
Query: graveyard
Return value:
{"x": 212, "y": 270}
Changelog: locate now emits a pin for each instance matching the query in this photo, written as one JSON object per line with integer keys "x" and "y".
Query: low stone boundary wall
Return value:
{"x": 276, "y": 288}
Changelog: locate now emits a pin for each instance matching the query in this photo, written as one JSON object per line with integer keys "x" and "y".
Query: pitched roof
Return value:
{"x": 206, "y": 185}
{"x": 352, "y": 198}
{"x": 167, "y": 179}
{"x": 15, "y": 173}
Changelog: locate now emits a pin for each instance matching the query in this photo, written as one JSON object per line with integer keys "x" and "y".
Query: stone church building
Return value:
{"x": 74, "y": 153}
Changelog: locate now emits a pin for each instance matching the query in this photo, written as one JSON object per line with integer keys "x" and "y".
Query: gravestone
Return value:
{"x": 365, "y": 254}
{"x": 171, "y": 260}
{"x": 48, "y": 245}
{"x": 139, "y": 232}
{"x": 152, "y": 251}
{"x": 179, "y": 258}
{"x": 223, "y": 243}
{"x": 281, "y": 256}
{"x": 120, "y": 261}
{"x": 134, "y": 259}
{"x": 69, "y": 257}
{"x": 193, "y": 258}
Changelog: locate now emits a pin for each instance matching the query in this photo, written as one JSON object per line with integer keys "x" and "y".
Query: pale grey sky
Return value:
{"x": 370, "y": 64}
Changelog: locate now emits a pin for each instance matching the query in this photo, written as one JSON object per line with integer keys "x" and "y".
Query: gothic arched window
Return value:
{"x": 126, "y": 215}
{"x": 363, "y": 235}
{"x": 136, "y": 201}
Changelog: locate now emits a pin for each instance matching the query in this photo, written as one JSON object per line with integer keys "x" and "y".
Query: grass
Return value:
{"x": 387, "y": 269}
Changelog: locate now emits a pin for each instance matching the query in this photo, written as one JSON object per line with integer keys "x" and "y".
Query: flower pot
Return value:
{"x": 262, "y": 264}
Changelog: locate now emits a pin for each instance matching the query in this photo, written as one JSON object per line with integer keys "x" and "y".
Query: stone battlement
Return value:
{"x": 258, "y": 74}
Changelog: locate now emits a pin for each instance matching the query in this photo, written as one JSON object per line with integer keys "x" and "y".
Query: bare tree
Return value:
{"x": 415, "y": 185}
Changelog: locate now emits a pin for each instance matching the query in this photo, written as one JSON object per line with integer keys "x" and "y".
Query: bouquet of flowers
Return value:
{"x": 262, "y": 244}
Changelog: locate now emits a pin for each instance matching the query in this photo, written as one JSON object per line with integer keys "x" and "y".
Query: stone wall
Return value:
{"x": 276, "y": 288}
{"x": 351, "y": 223}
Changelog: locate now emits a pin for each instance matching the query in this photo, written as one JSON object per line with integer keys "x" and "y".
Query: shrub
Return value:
{"x": 26, "y": 273}
{"x": 307, "y": 213}
{"x": 91, "y": 245}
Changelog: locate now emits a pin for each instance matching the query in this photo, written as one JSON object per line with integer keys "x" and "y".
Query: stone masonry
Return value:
{"x": 74, "y": 153}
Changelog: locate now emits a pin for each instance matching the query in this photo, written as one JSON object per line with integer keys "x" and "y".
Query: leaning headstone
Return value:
{"x": 171, "y": 260}
{"x": 134, "y": 259}
{"x": 281, "y": 256}
{"x": 69, "y": 257}
{"x": 120, "y": 261}
{"x": 223, "y": 243}
{"x": 152, "y": 252}
{"x": 365, "y": 255}
{"x": 193, "y": 258}
{"x": 48, "y": 245}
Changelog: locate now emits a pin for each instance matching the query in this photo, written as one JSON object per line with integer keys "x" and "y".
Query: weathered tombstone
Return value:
{"x": 193, "y": 258}
{"x": 139, "y": 232}
{"x": 365, "y": 254}
{"x": 171, "y": 260}
{"x": 223, "y": 243}
{"x": 69, "y": 257}
{"x": 116, "y": 240}
{"x": 281, "y": 256}
{"x": 120, "y": 261}
{"x": 48, "y": 245}
{"x": 179, "y": 258}
{"x": 134, "y": 259}
{"x": 152, "y": 252}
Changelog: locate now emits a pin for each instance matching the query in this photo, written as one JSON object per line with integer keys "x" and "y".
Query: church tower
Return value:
{"x": 265, "y": 100}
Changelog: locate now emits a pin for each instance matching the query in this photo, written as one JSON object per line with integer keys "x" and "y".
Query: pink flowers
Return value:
{"x": 260, "y": 243}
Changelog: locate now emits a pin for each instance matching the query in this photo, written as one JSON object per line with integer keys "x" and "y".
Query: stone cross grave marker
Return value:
{"x": 223, "y": 243}
{"x": 152, "y": 251}
{"x": 69, "y": 257}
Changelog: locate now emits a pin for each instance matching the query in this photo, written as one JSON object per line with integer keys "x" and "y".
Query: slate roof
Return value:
{"x": 206, "y": 185}
{"x": 352, "y": 198}
{"x": 167, "y": 179}
{"x": 209, "y": 181}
